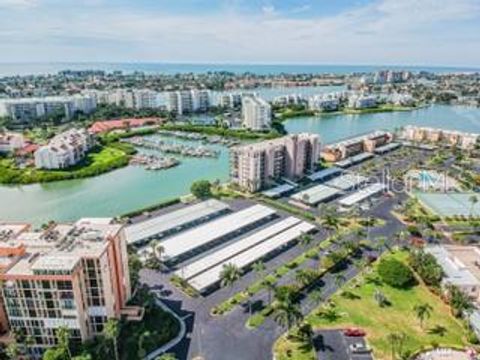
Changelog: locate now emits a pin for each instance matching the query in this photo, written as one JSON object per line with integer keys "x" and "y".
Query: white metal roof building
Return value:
{"x": 184, "y": 244}
{"x": 325, "y": 174}
{"x": 210, "y": 277}
{"x": 237, "y": 247}
{"x": 361, "y": 195}
{"x": 354, "y": 160}
{"x": 316, "y": 194}
{"x": 173, "y": 222}
{"x": 347, "y": 181}
{"x": 278, "y": 190}
{"x": 386, "y": 148}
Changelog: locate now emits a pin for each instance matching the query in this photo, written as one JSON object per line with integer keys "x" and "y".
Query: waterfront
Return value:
{"x": 134, "y": 187}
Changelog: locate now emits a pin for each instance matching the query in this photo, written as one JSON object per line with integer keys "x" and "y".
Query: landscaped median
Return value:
{"x": 273, "y": 277}
{"x": 388, "y": 314}
{"x": 99, "y": 160}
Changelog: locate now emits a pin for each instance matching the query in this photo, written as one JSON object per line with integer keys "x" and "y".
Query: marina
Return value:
{"x": 134, "y": 187}
{"x": 170, "y": 148}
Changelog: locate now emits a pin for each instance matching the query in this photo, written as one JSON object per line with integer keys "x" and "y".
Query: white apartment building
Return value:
{"x": 188, "y": 101}
{"x": 230, "y": 101}
{"x": 145, "y": 99}
{"x": 9, "y": 142}
{"x": 325, "y": 102}
{"x": 362, "y": 101}
{"x": 256, "y": 113}
{"x": 25, "y": 110}
{"x": 254, "y": 166}
{"x": 64, "y": 150}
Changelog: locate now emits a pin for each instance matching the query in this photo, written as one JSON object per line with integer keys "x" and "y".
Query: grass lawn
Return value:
{"x": 98, "y": 161}
{"x": 378, "y": 321}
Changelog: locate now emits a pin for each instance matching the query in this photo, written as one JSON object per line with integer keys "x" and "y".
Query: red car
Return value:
{"x": 354, "y": 332}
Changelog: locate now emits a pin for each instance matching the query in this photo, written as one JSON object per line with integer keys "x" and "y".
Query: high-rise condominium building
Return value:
{"x": 256, "y": 113}
{"x": 188, "y": 101}
{"x": 254, "y": 166}
{"x": 24, "y": 111}
{"x": 73, "y": 276}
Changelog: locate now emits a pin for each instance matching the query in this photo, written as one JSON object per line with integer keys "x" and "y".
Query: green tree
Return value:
{"x": 395, "y": 273}
{"x": 55, "y": 353}
{"x": 305, "y": 240}
{"x": 201, "y": 189}
{"x": 270, "y": 286}
{"x": 473, "y": 201}
{"x": 422, "y": 312}
{"x": 13, "y": 351}
{"x": 111, "y": 332}
{"x": 63, "y": 335}
{"x": 287, "y": 315}
{"x": 229, "y": 275}
{"x": 166, "y": 357}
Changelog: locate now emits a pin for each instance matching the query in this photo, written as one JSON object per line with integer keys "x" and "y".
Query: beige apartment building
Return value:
{"x": 255, "y": 166}
{"x": 72, "y": 275}
{"x": 460, "y": 265}
{"x": 463, "y": 140}
{"x": 356, "y": 145}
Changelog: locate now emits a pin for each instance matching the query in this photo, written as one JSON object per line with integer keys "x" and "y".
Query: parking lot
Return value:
{"x": 332, "y": 344}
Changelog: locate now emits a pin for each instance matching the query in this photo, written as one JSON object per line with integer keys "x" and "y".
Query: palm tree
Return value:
{"x": 396, "y": 340}
{"x": 422, "y": 312}
{"x": 259, "y": 269}
{"x": 229, "y": 275}
{"x": 270, "y": 287}
{"x": 63, "y": 335}
{"x": 331, "y": 223}
{"x": 303, "y": 277}
{"x": 316, "y": 296}
{"x": 111, "y": 332}
{"x": 305, "y": 240}
{"x": 339, "y": 280}
{"x": 305, "y": 333}
{"x": 473, "y": 201}
{"x": 287, "y": 314}
{"x": 13, "y": 351}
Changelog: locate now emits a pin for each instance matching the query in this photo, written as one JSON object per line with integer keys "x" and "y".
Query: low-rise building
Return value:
{"x": 64, "y": 150}
{"x": 461, "y": 267}
{"x": 324, "y": 102}
{"x": 10, "y": 142}
{"x": 255, "y": 166}
{"x": 256, "y": 113}
{"x": 69, "y": 275}
{"x": 463, "y": 140}
{"x": 362, "y": 101}
{"x": 356, "y": 145}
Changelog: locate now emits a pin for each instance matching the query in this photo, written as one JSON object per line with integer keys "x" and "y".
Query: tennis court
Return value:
{"x": 450, "y": 204}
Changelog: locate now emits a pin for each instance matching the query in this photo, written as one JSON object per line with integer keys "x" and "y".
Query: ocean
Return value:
{"x": 9, "y": 69}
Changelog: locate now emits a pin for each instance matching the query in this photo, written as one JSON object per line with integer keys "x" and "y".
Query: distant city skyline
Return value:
{"x": 377, "y": 32}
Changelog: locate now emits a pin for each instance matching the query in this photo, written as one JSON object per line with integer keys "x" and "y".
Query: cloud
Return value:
{"x": 301, "y": 9}
{"x": 386, "y": 31}
{"x": 17, "y": 4}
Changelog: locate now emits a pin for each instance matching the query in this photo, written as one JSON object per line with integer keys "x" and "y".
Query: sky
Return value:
{"x": 374, "y": 32}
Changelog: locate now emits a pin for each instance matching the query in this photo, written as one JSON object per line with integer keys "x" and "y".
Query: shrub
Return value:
{"x": 201, "y": 189}
{"x": 395, "y": 273}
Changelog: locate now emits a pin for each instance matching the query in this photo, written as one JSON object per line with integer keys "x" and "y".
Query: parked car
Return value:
{"x": 354, "y": 332}
{"x": 359, "y": 348}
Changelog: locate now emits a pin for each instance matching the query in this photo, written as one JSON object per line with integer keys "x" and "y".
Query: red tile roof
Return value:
{"x": 104, "y": 126}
